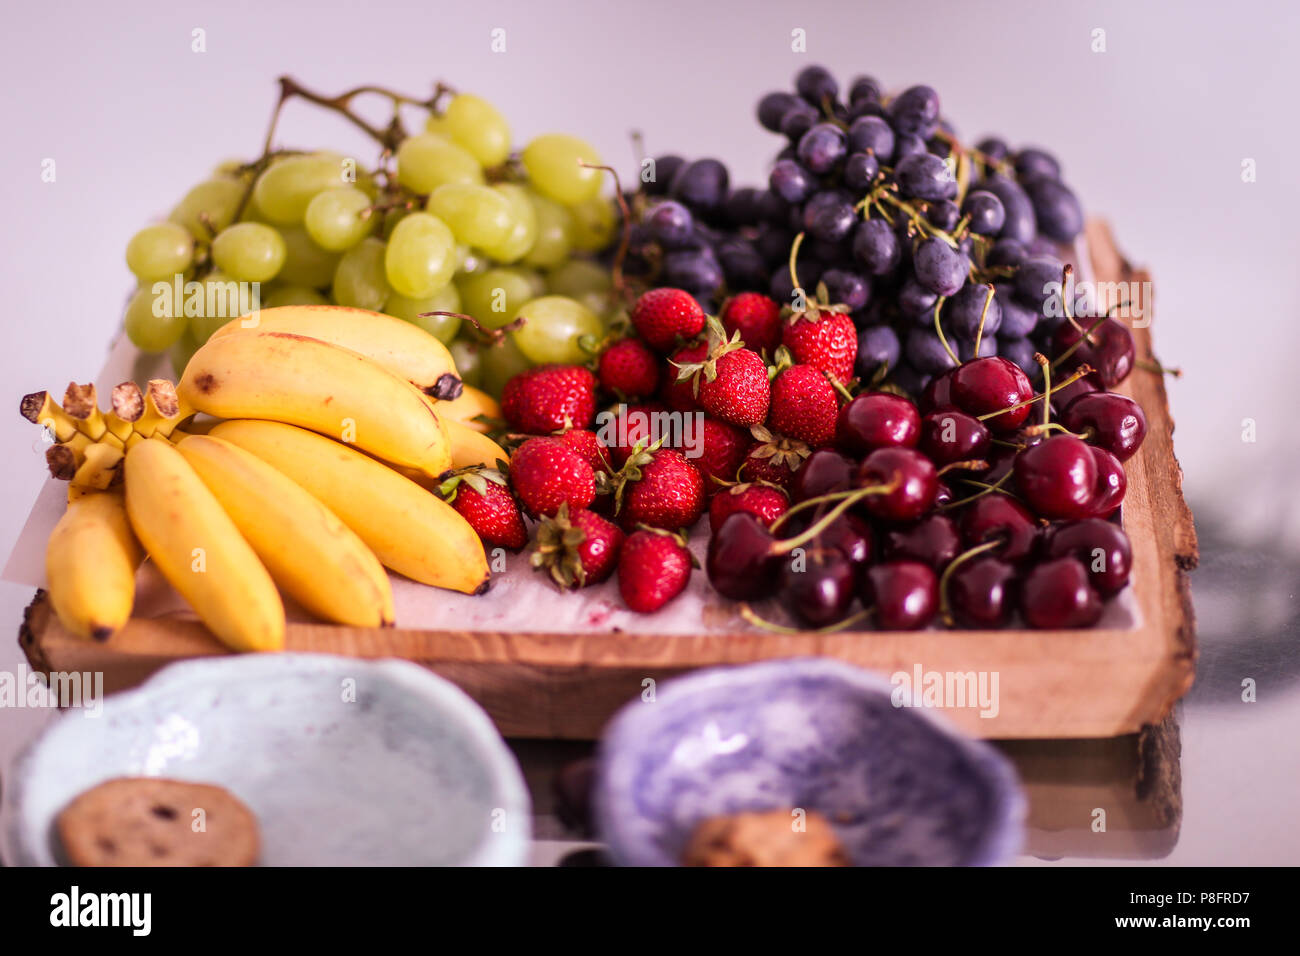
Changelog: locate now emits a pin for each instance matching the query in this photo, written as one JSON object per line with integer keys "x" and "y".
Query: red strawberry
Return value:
{"x": 629, "y": 369}
{"x": 804, "y": 406}
{"x": 644, "y": 423}
{"x": 765, "y": 502}
{"x": 586, "y": 444}
{"x": 823, "y": 338}
{"x": 724, "y": 448}
{"x": 577, "y": 548}
{"x": 731, "y": 382}
{"x": 546, "y": 473}
{"x": 549, "y": 398}
{"x": 658, "y": 488}
{"x": 653, "y": 568}
{"x": 680, "y": 396}
{"x": 482, "y": 497}
{"x": 773, "y": 458}
{"x": 661, "y": 316}
{"x": 756, "y": 317}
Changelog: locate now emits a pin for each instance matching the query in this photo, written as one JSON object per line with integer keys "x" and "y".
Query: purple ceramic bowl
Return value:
{"x": 900, "y": 786}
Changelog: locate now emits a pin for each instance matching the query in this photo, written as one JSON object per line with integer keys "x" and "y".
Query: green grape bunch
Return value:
{"x": 451, "y": 222}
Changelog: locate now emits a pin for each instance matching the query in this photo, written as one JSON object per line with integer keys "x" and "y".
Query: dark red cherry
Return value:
{"x": 822, "y": 472}
{"x": 1001, "y": 460}
{"x": 944, "y": 494}
{"x": 818, "y": 586}
{"x": 877, "y": 420}
{"x": 949, "y": 435}
{"x": 740, "y": 561}
{"x": 1058, "y": 594}
{"x": 1111, "y": 483}
{"x": 933, "y": 540}
{"x": 996, "y": 517}
{"x": 1113, "y": 421}
{"x": 982, "y": 593}
{"x": 1064, "y": 395}
{"x": 1058, "y": 477}
{"x": 850, "y": 536}
{"x": 1102, "y": 547}
{"x": 917, "y": 483}
{"x": 904, "y": 594}
{"x": 989, "y": 384}
{"x": 1109, "y": 349}
{"x": 938, "y": 394}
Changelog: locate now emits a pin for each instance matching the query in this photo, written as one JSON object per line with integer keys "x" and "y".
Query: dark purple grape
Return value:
{"x": 694, "y": 270}
{"x": 773, "y": 107}
{"x": 965, "y": 348}
{"x": 867, "y": 108}
{"x": 874, "y": 134}
{"x": 961, "y": 313}
{"x": 1021, "y": 352}
{"x": 741, "y": 207}
{"x": 665, "y": 168}
{"x": 816, "y": 84}
{"x": 822, "y": 148}
{"x": 864, "y": 89}
{"x": 773, "y": 244}
{"x": 781, "y": 288}
{"x": 847, "y": 288}
{"x": 670, "y": 224}
{"x": 741, "y": 264}
{"x": 926, "y": 353}
{"x": 860, "y": 171}
{"x": 939, "y": 267}
{"x": 828, "y": 216}
{"x": 1032, "y": 163}
{"x": 994, "y": 148}
{"x": 798, "y": 120}
{"x": 915, "y": 300}
{"x": 1006, "y": 252}
{"x": 1018, "y": 320}
{"x": 907, "y": 145}
{"x": 911, "y": 381}
{"x": 769, "y": 208}
{"x": 986, "y": 212}
{"x": 943, "y": 215}
{"x": 1056, "y": 208}
{"x": 1020, "y": 223}
{"x": 877, "y": 345}
{"x": 876, "y": 246}
{"x": 937, "y": 146}
{"x": 925, "y": 176}
{"x": 1038, "y": 278}
{"x": 791, "y": 182}
{"x": 701, "y": 184}
{"x": 915, "y": 111}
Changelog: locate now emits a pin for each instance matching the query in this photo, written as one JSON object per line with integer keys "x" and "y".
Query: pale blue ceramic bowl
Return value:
{"x": 899, "y": 785}
{"x": 343, "y": 761}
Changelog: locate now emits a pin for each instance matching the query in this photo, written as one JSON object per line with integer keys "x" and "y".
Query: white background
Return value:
{"x": 1152, "y": 132}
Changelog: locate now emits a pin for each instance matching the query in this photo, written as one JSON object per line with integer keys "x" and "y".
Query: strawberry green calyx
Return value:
{"x": 718, "y": 346}
{"x": 475, "y": 477}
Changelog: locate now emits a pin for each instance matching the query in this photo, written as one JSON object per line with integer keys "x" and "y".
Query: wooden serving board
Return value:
{"x": 1052, "y": 684}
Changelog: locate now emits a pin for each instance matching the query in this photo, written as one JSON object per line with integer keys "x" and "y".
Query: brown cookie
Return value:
{"x": 765, "y": 838}
{"x": 148, "y": 821}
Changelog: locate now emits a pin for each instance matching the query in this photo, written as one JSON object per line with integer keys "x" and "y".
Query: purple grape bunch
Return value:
{"x": 901, "y": 223}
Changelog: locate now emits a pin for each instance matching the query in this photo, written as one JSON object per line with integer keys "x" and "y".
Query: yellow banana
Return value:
{"x": 162, "y": 410}
{"x": 286, "y": 377}
{"x": 90, "y": 561}
{"x": 472, "y": 403}
{"x": 469, "y": 447}
{"x": 410, "y": 529}
{"x": 81, "y": 402}
{"x": 199, "y": 550}
{"x": 100, "y": 467}
{"x": 310, "y": 553}
{"x": 404, "y": 349}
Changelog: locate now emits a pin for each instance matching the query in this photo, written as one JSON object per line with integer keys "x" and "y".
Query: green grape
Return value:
{"x": 478, "y": 216}
{"x": 594, "y": 224}
{"x": 441, "y": 327}
{"x": 468, "y": 356}
{"x": 554, "y": 233}
{"x": 552, "y": 161}
{"x": 152, "y": 324}
{"x": 426, "y": 161}
{"x": 285, "y": 189}
{"x": 182, "y": 351}
{"x": 335, "y": 220}
{"x": 160, "y": 251}
{"x": 477, "y": 125}
{"x": 495, "y": 295}
{"x": 500, "y": 364}
{"x": 421, "y": 256}
{"x": 524, "y": 233}
{"x": 249, "y": 252}
{"x": 391, "y": 218}
{"x": 553, "y": 325}
{"x": 305, "y": 263}
{"x": 578, "y": 276}
{"x": 359, "y": 280}
{"x": 292, "y": 295}
{"x": 217, "y": 300}
{"x": 209, "y": 207}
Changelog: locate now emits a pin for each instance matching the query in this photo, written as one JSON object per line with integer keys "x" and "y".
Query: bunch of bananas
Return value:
{"x": 313, "y": 439}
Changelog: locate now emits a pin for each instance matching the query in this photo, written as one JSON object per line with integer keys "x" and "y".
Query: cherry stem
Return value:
{"x": 625, "y": 238}
{"x": 1041, "y": 359}
{"x": 972, "y": 465}
{"x": 944, "y": 608}
{"x": 979, "y": 494}
{"x": 1085, "y": 337}
{"x": 849, "y": 500}
{"x": 979, "y": 332}
{"x": 794, "y": 254}
{"x": 1048, "y": 427}
{"x": 943, "y": 339}
{"x": 752, "y": 616}
{"x": 1079, "y": 373}
{"x": 1066, "y": 273}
